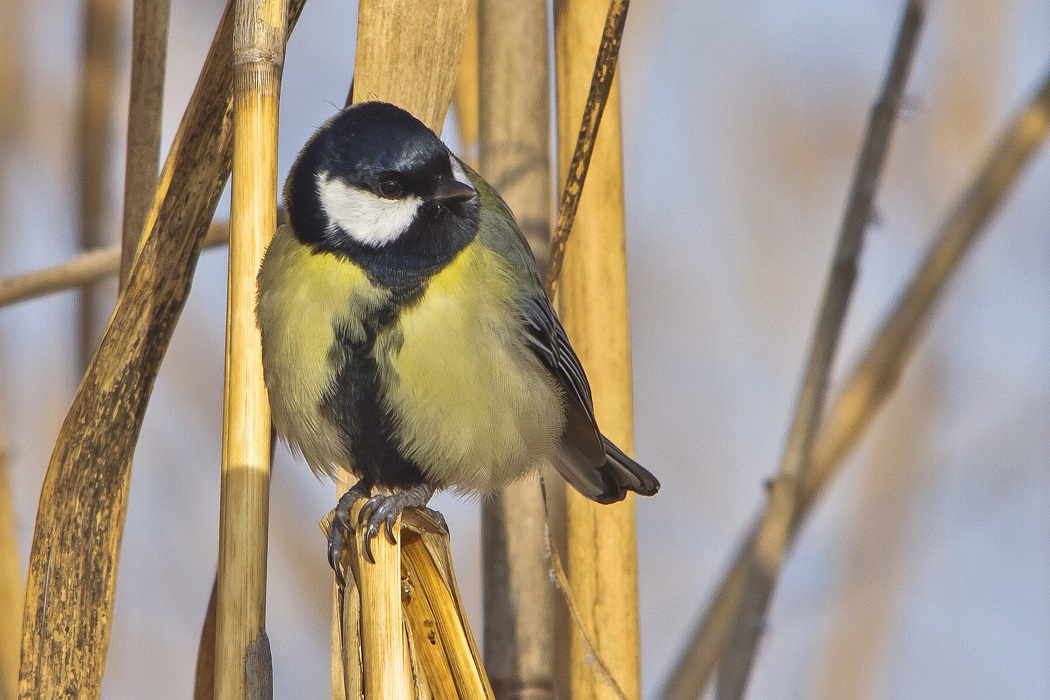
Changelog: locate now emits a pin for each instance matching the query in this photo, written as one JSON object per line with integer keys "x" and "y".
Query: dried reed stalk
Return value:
{"x": 72, "y": 566}
{"x": 514, "y": 155}
{"x": 444, "y": 662}
{"x": 875, "y": 377}
{"x": 465, "y": 95}
{"x": 240, "y": 622}
{"x": 11, "y": 593}
{"x": 83, "y": 269}
{"x": 149, "y": 47}
{"x": 408, "y": 53}
{"x": 602, "y": 555}
{"x": 785, "y": 490}
{"x": 97, "y": 88}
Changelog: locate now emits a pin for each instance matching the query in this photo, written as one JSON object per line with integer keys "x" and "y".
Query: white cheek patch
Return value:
{"x": 458, "y": 172}
{"x": 363, "y": 216}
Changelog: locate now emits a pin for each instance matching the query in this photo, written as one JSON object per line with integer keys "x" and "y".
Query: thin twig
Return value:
{"x": 149, "y": 47}
{"x": 601, "y": 84}
{"x": 785, "y": 489}
{"x": 875, "y": 377}
{"x": 83, "y": 269}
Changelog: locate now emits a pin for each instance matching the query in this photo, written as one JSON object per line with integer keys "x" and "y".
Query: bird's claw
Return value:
{"x": 382, "y": 511}
{"x": 341, "y": 525}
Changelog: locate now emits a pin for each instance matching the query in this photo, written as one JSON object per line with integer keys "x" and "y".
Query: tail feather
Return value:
{"x": 608, "y": 482}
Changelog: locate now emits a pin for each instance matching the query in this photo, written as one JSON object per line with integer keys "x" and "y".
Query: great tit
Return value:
{"x": 406, "y": 336}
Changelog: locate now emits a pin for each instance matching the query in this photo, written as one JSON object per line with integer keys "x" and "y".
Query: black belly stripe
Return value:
{"x": 354, "y": 407}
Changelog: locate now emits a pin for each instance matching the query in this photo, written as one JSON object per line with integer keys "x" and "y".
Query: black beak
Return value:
{"x": 451, "y": 191}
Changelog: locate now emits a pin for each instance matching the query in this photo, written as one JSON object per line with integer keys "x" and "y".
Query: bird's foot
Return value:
{"x": 341, "y": 524}
{"x": 382, "y": 511}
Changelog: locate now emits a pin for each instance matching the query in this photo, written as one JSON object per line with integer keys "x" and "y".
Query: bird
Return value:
{"x": 407, "y": 337}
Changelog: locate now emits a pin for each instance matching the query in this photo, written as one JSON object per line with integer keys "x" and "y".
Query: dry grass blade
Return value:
{"x": 11, "y": 594}
{"x": 149, "y": 47}
{"x": 597, "y": 96}
{"x": 785, "y": 489}
{"x": 241, "y": 647}
{"x": 72, "y": 566}
{"x": 875, "y": 376}
{"x": 83, "y": 269}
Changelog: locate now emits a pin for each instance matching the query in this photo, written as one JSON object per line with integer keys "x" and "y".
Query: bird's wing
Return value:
{"x": 583, "y": 450}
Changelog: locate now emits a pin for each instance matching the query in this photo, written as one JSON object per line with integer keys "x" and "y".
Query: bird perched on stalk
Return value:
{"x": 406, "y": 336}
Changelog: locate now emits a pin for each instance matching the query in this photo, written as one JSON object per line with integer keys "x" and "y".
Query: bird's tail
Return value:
{"x": 622, "y": 474}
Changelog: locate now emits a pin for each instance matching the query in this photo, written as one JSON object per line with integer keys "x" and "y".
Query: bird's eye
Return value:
{"x": 390, "y": 189}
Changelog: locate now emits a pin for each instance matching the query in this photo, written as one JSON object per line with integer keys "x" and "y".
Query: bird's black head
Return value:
{"x": 376, "y": 185}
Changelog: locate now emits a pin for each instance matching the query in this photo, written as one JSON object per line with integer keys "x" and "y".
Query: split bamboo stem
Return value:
{"x": 11, "y": 593}
{"x": 258, "y": 59}
{"x": 76, "y": 542}
{"x": 94, "y": 111}
{"x": 876, "y": 376}
{"x": 602, "y": 556}
{"x": 408, "y": 53}
{"x": 149, "y": 47}
{"x": 785, "y": 490}
{"x": 514, "y": 156}
{"x": 83, "y": 269}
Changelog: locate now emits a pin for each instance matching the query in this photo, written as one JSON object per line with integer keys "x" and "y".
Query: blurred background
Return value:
{"x": 926, "y": 569}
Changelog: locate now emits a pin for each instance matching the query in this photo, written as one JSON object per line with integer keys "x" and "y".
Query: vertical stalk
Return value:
{"x": 94, "y": 110}
{"x": 258, "y": 57}
{"x": 149, "y": 46}
{"x": 602, "y": 555}
{"x": 11, "y": 594}
{"x": 466, "y": 90}
{"x": 384, "y": 655}
{"x": 514, "y": 149}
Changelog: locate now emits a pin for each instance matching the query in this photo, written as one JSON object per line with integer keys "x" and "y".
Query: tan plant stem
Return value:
{"x": 240, "y": 621}
{"x": 592, "y": 296}
{"x": 94, "y": 114}
{"x": 876, "y": 376}
{"x": 514, "y": 156}
{"x": 149, "y": 47}
{"x": 83, "y": 269}
{"x": 785, "y": 490}
{"x": 76, "y": 543}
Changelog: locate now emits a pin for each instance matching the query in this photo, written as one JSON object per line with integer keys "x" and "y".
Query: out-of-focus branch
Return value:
{"x": 514, "y": 155}
{"x": 149, "y": 48}
{"x": 785, "y": 489}
{"x": 875, "y": 377}
{"x": 83, "y": 269}
{"x": 98, "y": 78}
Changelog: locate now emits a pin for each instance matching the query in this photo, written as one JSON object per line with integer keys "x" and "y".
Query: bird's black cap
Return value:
{"x": 366, "y": 146}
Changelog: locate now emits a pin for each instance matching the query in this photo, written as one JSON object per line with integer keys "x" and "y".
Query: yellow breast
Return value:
{"x": 474, "y": 408}
{"x": 302, "y": 297}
